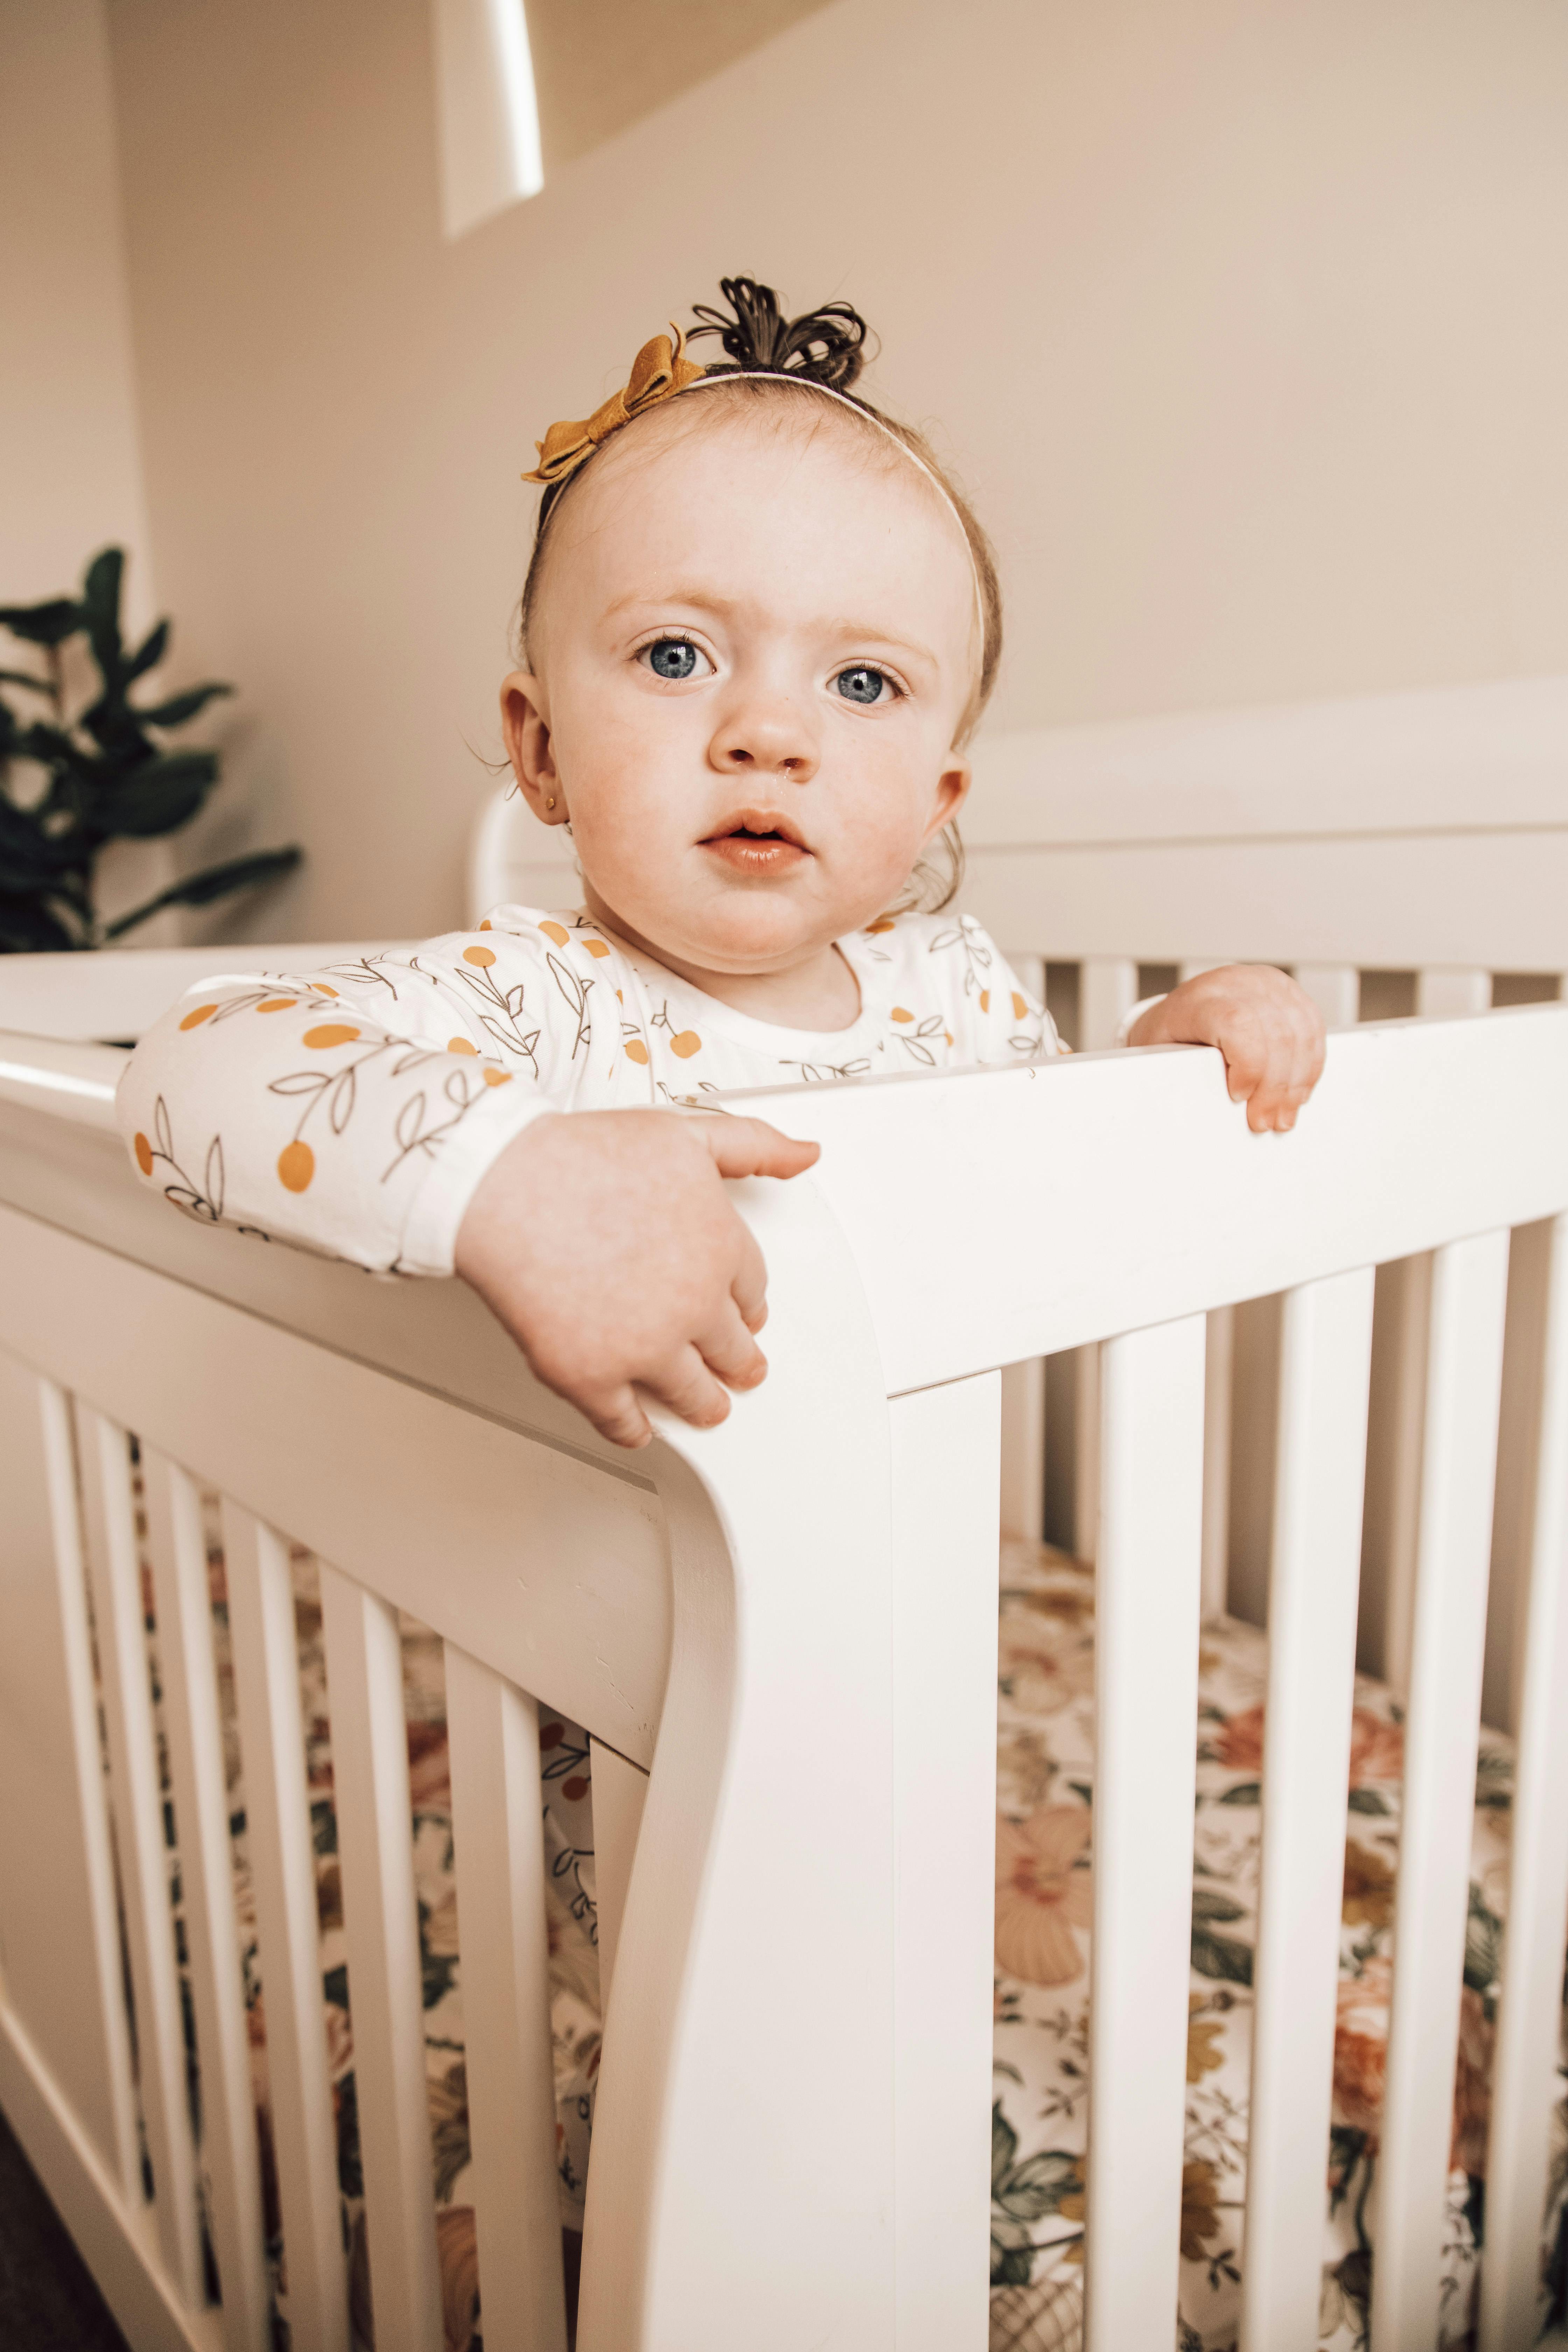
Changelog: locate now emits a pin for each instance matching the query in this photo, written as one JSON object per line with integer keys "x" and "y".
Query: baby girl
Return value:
{"x": 759, "y": 629}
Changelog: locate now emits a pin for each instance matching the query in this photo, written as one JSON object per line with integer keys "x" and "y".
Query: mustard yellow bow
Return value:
{"x": 658, "y": 369}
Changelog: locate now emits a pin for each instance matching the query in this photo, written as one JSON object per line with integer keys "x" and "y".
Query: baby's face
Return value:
{"x": 755, "y": 642}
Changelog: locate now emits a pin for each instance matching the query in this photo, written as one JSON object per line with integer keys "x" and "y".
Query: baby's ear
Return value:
{"x": 951, "y": 791}
{"x": 525, "y": 726}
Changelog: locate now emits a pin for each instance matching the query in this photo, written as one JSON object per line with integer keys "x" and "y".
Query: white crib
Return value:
{"x": 826, "y": 1563}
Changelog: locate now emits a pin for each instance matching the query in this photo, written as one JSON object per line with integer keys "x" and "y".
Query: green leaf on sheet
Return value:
{"x": 1368, "y": 1800}
{"x": 1221, "y": 1957}
{"x": 1208, "y": 1904}
{"x": 1246, "y": 1792}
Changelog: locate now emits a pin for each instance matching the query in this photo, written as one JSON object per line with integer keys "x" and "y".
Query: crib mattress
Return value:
{"x": 1043, "y": 1912}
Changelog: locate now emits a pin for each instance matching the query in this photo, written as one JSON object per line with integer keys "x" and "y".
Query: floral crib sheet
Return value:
{"x": 1043, "y": 1916}
{"x": 1045, "y": 1776}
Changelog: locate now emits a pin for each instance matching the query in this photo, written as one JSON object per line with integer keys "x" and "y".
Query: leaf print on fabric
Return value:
{"x": 823, "y": 1072}
{"x": 575, "y": 991}
{"x": 503, "y": 1017}
{"x": 916, "y": 1042}
{"x": 204, "y": 1201}
{"x": 966, "y": 938}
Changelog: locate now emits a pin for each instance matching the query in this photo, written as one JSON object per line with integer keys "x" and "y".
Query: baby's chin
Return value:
{"x": 759, "y": 928}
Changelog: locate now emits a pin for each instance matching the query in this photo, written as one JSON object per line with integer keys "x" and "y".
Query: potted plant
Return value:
{"x": 108, "y": 773}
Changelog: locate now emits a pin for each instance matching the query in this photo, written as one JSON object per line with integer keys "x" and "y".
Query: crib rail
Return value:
{"x": 776, "y": 1612}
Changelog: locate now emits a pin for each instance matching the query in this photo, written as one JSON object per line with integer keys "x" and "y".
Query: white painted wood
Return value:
{"x": 381, "y": 1924}
{"x": 63, "y": 1980}
{"x": 1469, "y": 1282}
{"x": 114, "y": 2239}
{"x": 769, "y": 1720}
{"x": 944, "y": 1444}
{"x": 1447, "y": 994}
{"x": 279, "y": 1845}
{"x": 146, "y": 1861}
{"x": 271, "y": 1419}
{"x": 1218, "y": 1367}
{"x": 1086, "y": 1453}
{"x": 1146, "y": 1668}
{"x": 1023, "y": 1447}
{"x": 1108, "y": 987}
{"x": 176, "y": 1545}
{"x": 1334, "y": 989}
{"x": 498, "y": 1835}
{"x": 1529, "y": 2014}
{"x": 1325, "y": 1367}
{"x": 620, "y": 1792}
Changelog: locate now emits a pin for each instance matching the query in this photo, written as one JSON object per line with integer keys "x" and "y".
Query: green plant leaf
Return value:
{"x": 28, "y": 927}
{"x": 148, "y": 654}
{"x": 181, "y": 707}
{"x": 213, "y": 882}
{"x": 100, "y": 611}
{"x": 158, "y": 796}
{"x": 43, "y": 625}
{"x": 24, "y": 677}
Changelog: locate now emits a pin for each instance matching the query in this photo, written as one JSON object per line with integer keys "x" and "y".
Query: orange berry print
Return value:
{"x": 899, "y": 1014}
{"x": 202, "y": 1012}
{"x": 330, "y": 1032}
{"x": 635, "y": 1050}
{"x": 144, "y": 1155}
{"x": 1019, "y": 1006}
{"x": 556, "y": 931}
{"x": 687, "y": 1044}
{"x": 482, "y": 957}
{"x": 487, "y": 925}
{"x": 596, "y": 947}
{"x": 497, "y": 1078}
{"x": 461, "y": 1046}
{"x": 985, "y": 1000}
{"x": 882, "y": 923}
{"x": 278, "y": 1005}
{"x": 320, "y": 988}
{"x": 296, "y": 1166}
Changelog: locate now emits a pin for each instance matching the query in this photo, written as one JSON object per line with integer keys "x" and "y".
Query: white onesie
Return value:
{"x": 354, "y": 1110}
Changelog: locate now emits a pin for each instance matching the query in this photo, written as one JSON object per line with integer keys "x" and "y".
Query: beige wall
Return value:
{"x": 69, "y": 472}
{"x": 1242, "y": 320}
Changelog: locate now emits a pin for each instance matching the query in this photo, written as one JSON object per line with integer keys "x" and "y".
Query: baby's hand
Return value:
{"x": 1269, "y": 1030}
{"x": 607, "y": 1245}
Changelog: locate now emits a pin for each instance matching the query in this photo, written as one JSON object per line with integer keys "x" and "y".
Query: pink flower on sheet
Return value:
{"x": 1239, "y": 1741}
{"x": 1046, "y": 1669}
{"x": 1377, "y": 1748}
{"x": 1041, "y": 1896}
{"x": 1360, "y": 2045}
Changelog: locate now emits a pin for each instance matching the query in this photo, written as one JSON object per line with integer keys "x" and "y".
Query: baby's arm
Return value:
{"x": 1268, "y": 1030}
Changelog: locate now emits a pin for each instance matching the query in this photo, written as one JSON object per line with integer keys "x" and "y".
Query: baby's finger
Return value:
{"x": 1246, "y": 1067}
{"x": 684, "y": 1383}
{"x": 729, "y": 1350}
{"x": 750, "y": 1147}
{"x": 617, "y": 1415}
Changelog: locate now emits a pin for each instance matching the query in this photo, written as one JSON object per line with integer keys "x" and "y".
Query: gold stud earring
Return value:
{"x": 551, "y": 802}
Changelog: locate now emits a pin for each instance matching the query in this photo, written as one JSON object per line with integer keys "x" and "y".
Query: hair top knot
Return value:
{"x": 825, "y": 346}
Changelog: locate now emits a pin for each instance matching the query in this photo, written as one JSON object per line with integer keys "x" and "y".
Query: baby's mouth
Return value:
{"x": 759, "y": 842}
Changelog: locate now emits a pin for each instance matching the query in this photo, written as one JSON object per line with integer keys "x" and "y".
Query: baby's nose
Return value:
{"x": 773, "y": 740}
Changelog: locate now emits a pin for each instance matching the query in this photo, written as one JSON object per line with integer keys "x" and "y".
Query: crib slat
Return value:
{"x": 1146, "y": 1667}
{"x": 70, "y": 1571}
{"x": 620, "y": 1792}
{"x": 178, "y": 1545}
{"x": 144, "y": 1857}
{"x": 278, "y": 1839}
{"x": 1108, "y": 990}
{"x": 1023, "y": 1447}
{"x": 1334, "y": 989}
{"x": 1447, "y": 994}
{"x": 375, "y": 1851}
{"x": 1325, "y": 1369}
{"x": 497, "y": 1834}
{"x": 1218, "y": 1367}
{"x": 1529, "y": 2018}
{"x": 1469, "y": 1282}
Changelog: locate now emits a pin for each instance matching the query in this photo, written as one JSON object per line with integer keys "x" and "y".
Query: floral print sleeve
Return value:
{"x": 354, "y": 1110}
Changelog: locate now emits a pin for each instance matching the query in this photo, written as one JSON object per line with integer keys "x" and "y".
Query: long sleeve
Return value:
{"x": 354, "y": 1110}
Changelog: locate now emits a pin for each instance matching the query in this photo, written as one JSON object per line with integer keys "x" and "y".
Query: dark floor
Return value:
{"x": 48, "y": 2300}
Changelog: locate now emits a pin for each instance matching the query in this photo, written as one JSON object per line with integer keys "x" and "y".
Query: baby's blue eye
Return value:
{"x": 672, "y": 657}
{"x": 863, "y": 684}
